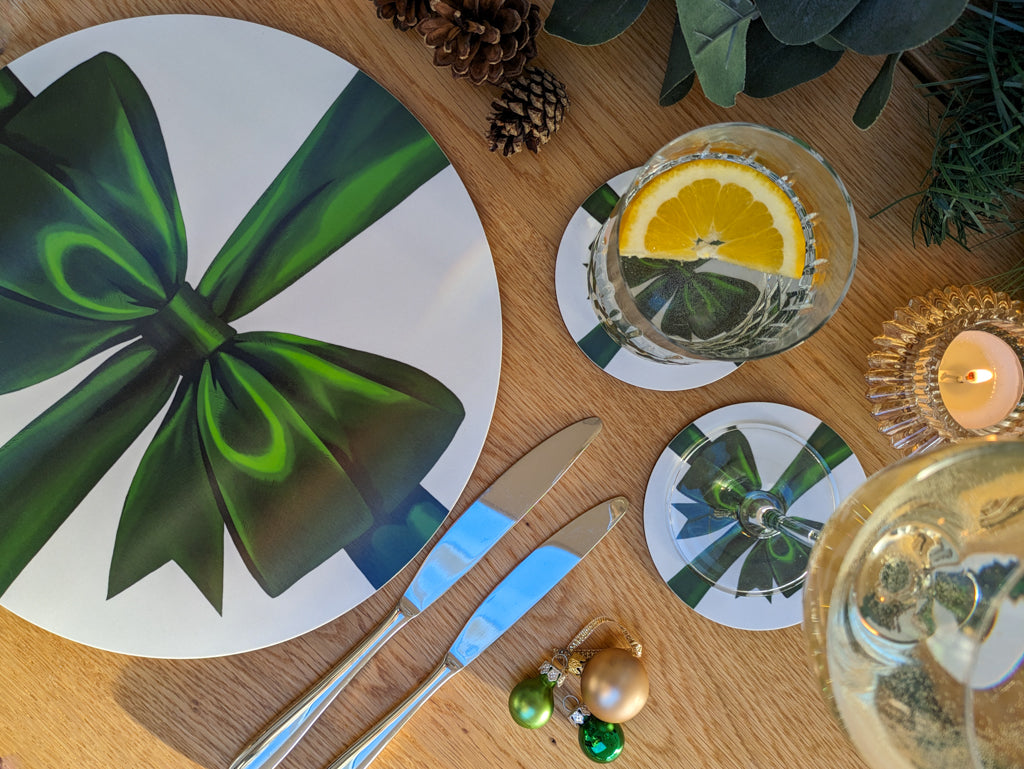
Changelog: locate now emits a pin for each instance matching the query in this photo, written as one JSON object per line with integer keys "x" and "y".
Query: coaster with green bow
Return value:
{"x": 749, "y": 456}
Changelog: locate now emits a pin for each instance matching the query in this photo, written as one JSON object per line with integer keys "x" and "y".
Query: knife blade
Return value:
{"x": 467, "y": 540}
{"x": 525, "y": 585}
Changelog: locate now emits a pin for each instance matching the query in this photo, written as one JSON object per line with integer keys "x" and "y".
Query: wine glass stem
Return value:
{"x": 761, "y": 515}
{"x": 798, "y": 530}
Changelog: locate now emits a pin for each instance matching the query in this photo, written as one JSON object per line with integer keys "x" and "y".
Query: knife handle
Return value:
{"x": 271, "y": 745}
{"x": 366, "y": 748}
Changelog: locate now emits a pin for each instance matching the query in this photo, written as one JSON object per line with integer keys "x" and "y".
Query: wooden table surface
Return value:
{"x": 720, "y": 697}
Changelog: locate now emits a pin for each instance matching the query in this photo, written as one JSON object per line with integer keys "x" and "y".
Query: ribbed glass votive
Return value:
{"x": 948, "y": 367}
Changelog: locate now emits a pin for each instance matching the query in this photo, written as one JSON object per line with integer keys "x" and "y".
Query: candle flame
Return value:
{"x": 978, "y": 375}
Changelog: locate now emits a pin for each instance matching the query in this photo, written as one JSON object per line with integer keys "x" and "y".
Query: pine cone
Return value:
{"x": 483, "y": 40}
{"x": 404, "y": 14}
{"x": 529, "y": 110}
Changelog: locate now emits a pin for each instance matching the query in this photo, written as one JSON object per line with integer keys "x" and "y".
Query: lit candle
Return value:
{"x": 980, "y": 379}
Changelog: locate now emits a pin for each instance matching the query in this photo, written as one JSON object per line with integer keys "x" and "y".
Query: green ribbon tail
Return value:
{"x": 172, "y": 516}
{"x": 692, "y": 582}
{"x": 52, "y": 464}
{"x": 365, "y": 156}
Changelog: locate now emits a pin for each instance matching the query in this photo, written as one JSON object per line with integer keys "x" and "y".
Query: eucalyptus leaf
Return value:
{"x": 877, "y": 27}
{"x": 829, "y": 43}
{"x": 797, "y": 22}
{"x": 877, "y": 95}
{"x": 679, "y": 72}
{"x": 592, "y": 22}
{"x": 716, "y": 33}
{"x": 773, "y": 67}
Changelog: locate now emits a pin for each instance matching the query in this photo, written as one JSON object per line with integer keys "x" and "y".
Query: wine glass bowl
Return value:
{"x": 914, "y": 610}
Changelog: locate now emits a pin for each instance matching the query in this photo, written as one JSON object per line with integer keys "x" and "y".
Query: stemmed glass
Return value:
{"x": 914, "y": 610}
{"x": 686, "y": 311}
{"x": 746, "y": 503}
{"x": 913, "y": 604}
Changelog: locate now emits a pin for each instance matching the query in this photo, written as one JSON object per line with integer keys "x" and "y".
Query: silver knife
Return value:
{"x": 467, "y": 540}
{"x": 525, "y": 585}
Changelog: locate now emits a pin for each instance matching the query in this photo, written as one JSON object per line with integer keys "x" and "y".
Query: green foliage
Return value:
{"x": 716, "y": 36}
{"x": 875, "y": 98}
{"x": 594, "y": 21}
{"x": 763, "y": 47}
{"x": 976, "y": 183}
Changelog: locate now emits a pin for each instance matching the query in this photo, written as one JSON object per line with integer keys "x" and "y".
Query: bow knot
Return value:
{"x": 186, "y": 321}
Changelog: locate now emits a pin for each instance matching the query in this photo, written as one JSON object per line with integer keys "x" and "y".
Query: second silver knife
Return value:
{"x": 467, "y": 540}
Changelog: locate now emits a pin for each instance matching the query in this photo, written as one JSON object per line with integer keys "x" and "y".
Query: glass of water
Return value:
{"x": 733, "y": 242}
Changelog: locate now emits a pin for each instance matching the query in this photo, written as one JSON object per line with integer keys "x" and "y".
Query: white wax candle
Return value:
{"x": 980, "y": 379}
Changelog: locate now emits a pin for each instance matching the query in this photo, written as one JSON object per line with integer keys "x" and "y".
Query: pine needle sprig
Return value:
{"x": 975, "y": 185}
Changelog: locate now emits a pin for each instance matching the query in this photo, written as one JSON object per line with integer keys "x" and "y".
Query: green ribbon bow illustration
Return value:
{"x": 721, "y": 472}
{"x": 299, "y": 447}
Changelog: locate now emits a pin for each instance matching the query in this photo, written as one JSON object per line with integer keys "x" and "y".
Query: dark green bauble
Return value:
{"x": 601, "y": 742}
{"x": 531, "y": 702}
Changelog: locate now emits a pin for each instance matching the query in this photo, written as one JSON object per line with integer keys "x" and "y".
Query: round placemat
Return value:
{"x": 344, "y": 251}
{"x": 581, "y": 321}
{"x": 759, "y": 446}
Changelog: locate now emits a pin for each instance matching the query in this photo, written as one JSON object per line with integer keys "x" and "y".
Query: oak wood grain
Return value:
{"x": 721, "y": 698}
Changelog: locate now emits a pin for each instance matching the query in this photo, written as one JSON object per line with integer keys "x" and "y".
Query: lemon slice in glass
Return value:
{"x": 710, "y": 208}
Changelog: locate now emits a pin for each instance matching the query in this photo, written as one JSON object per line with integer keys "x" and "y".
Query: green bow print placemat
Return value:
{"x": 247, "y": 366}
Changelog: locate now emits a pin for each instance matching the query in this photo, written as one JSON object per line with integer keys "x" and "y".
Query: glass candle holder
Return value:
{"x": 948, "y": 367}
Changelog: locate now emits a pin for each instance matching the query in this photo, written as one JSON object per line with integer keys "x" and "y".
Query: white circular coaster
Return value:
{"x": 749, "y": 446}
{"x": 581, "y": 321}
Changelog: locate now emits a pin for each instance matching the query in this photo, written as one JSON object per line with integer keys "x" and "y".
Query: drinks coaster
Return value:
{"x": 747, "y": 447}
{"x": 581, "y": 321}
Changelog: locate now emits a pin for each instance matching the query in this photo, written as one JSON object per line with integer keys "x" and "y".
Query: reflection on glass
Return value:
{"x": 914, "y": 610}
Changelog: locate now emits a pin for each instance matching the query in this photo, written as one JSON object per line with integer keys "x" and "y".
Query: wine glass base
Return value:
{"x": 582, "y": 323}
{"x": 749, "y": 455}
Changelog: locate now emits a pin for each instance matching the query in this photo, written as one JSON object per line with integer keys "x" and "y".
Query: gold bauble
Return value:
{"x": 614, "y": 685}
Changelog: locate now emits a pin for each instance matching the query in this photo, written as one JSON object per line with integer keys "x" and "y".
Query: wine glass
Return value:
{"x": 914, "y": 610}
{"x": 684, "y": 312}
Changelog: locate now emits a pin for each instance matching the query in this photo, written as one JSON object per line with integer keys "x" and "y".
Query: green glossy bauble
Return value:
{"x": 600, "y": 741}
{"x": 531, "y": 702}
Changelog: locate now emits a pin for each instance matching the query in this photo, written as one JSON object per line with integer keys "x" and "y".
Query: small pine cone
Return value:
{"x": 483, "y": 40}
{"x": 528, "y": 112}
{"x": 404, "y": 14}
